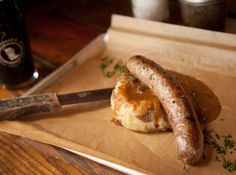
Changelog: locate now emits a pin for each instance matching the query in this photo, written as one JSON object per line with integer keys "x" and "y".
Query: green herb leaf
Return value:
{"x": 108, "y": 74}
{"x": 119, "y": 67}
{"x": 220, "y": 149}
{"x": 226, "y": 163}
{"x": 229, "y": 143}
{"x": 116, "y": 69}
{"x": 105, "y": 63}
{"x": 232, "y": 167}
{"x": 211, "y": 137}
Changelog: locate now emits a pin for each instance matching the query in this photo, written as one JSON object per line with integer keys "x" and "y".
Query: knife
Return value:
{"x": 14, "y": 108}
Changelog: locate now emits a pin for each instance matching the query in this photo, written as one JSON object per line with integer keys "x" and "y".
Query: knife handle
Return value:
{"x": 21, "y": 106}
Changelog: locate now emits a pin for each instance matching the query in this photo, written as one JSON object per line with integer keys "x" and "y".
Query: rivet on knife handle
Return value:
{"x": 21, "y": 106}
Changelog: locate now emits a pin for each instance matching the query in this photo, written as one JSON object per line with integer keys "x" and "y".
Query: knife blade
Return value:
{"x": 14, "y": 108}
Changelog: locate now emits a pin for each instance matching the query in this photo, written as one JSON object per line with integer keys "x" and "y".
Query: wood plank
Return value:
{"x": 23, "y": 156}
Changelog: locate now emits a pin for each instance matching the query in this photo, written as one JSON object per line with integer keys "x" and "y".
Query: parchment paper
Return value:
{"x": 87, "y": 128}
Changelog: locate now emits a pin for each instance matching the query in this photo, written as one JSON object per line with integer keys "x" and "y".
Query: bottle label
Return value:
{"x": 11, "y": 52}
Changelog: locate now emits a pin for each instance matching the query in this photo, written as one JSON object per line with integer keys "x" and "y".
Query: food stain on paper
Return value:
{"x": 207, "y": 104}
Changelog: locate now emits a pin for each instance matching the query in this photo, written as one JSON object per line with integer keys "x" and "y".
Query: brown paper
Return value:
{"x": 87, "y": 128}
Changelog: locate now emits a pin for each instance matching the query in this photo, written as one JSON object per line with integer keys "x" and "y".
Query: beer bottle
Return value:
{"x": 16, "y": 64}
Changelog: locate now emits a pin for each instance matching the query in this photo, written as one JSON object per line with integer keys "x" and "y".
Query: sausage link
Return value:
{"x": 180, "y": 110}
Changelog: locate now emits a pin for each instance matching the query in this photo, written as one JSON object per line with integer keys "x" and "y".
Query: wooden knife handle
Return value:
{"x": 22, "y": 106}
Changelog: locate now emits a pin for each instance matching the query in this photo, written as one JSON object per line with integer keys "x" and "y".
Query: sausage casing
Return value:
{"x": 175, "y": 101}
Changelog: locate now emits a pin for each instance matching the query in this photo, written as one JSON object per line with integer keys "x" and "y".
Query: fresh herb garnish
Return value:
{"x": 223, "y": 145}
{"x": 219, "y": 149}
{"x": 119, "y": 67}
{"x": 108, "y": 74}
{"x": 230, "y": 166}
{"x": 107, "y": 63}
{"x": 228, "y": 143}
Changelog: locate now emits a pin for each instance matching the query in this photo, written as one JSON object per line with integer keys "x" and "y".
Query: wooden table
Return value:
{"x": 57, "y": 30}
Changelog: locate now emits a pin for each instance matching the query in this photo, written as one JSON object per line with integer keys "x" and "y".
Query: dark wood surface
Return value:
{"x": 57, "y": 30}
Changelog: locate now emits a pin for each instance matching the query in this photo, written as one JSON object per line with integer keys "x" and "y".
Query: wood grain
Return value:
{"x": 22, "y": 156}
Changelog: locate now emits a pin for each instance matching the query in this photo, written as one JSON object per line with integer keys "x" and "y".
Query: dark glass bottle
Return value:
{"x": 16, "y": 64}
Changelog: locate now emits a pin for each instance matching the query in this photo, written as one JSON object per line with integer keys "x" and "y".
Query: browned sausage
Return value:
{"x": 180, "y": 111}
